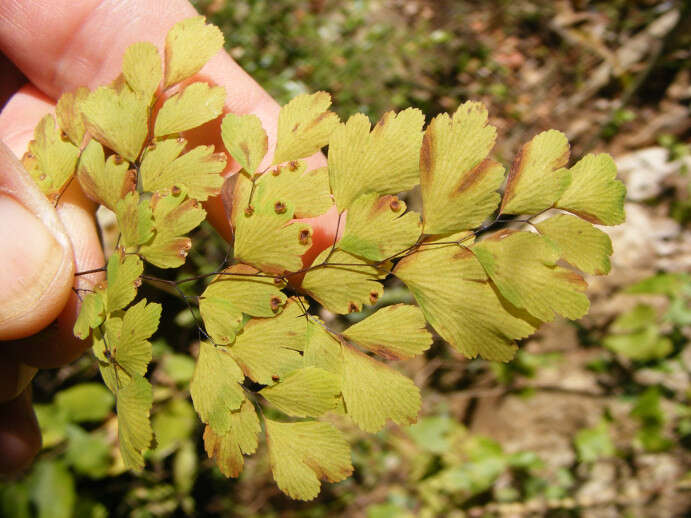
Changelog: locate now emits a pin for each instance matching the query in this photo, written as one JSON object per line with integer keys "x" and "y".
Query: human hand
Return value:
{"x": 59, "y": 46}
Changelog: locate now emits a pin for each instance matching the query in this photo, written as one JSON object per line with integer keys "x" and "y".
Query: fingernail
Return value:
{"x": 29, "y": 259}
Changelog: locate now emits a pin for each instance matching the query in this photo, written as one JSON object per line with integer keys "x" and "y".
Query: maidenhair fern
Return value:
{"x": 125, "y": 143}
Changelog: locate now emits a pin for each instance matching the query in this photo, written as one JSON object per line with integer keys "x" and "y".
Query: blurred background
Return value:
{"x": 592, "y": 419}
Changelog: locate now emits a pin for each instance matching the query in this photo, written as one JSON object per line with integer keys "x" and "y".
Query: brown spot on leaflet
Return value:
{"x": 373, "y": 297}
{"x": 276, "y": 171}
{"x": 249, "y": 211}
{"x": 304, "y": 236}
{"x": 395, "y": 204}
{"x": 275, "y": 303}
{"x": 274, "y": 377}
{"x": 117, "y": 159}
{"x": 279, "y": 207}
{"x": 476, "y": 174}
{"x": 426, "y": 154}
{"x": 175, "y": 190}
{"x": 137, "y": 282}
{"x": 352, "y": 307}
{"x": 293, "y": 165}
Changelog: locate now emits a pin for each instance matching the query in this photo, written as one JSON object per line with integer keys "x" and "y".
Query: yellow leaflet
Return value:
{"x": 197, "y": 171}
{"x": 395, "y": 332}
{"x": 91, "y": 315}
{"x": 189, "y": 45}
{"x": 267, "y": 349}
{"x": 322, "y": 349}
{"x": 196, "y": 104}
{"x": 306, "y": 392}
{"x": 537, "y": 177}
{"x": 264, "y": 235}
{"x": 141, "y": 66}
{"x": 456, "y": 298}
{"x": 378, "y": 227}
{"x": 292, "y": 186}
{"x": 134, "y": 220}
{"x": 245, "y": 140}
{"x": 215, "y": 387}
{"x": 241, "y": 437}
{"x": 522, "y": 267}
{"x": 117, "y": 119}
{"x": 303, "y": 453}
{"x": 304, "y": 127}
{"x": 104, "y": 181}
{"x": 229, "y": 296}
{"x": 69, "y": 113}
{"x": 385, "y": 161}
{"x": 134, "y": 427}
{"x": 123, "y": 281}
{"x": 458, "y": 181}
{"x": 594, "y": 193}
{"x": 579, "y": 242}
{"x": 345, "y": 286}
{"x": 374, "y": 392}
{"x": 174, "y": 215}
{"x": 51, "y": 160}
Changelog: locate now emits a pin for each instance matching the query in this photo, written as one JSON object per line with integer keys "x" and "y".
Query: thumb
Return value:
{"x": 36, "y": 260}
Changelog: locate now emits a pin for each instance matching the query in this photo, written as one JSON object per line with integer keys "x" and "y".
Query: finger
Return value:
{"x": 56, "y": 344}
{"x": 36, "y": 254}
{"x": 14, "y": 378}
{"x": 20, "y": 438}
{"x": 67, "y": 44}
{"x": 12, "y": 79}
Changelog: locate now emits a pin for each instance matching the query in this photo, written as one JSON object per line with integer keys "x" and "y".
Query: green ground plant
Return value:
{"x": 267, "y": 364}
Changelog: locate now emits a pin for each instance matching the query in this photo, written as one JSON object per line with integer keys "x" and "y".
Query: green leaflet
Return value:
{"x": 236, "y": 292}
{"x": 122, "y": 274}
{"x": 378, "y": 227}
{"x": 242, "y": 437}
{"x": 174, "y": 215}
{"x": 91, "y": 315}
{"x": 322, "y": 349}
{"x": 594, "y": 192}
{"x": 215, "y": 387}
{"x": 104, "y": 181}
{"x": 374, "y": 392}
{"x": 303, "y": 453}
{"x": 537, "y": 177}
{"x": 394, "y": 332}
{"x": 117, "y": 119}
{"x": 305, "y": 192}
{"x": 128, "y": 336}
{"x": 345, "y": 286}
{"x": 579, "y": 242}
{"x": 245, "y": 140}
{"x": 264, "y": 234}
{"x": 385, "y": 160}
{"x": 458, "y": 181}
{"x": 69, "y": 114}
{"x": 198, "y": 171}
{"x": 269, "y": 348}
{"x": 304, "y": 127}
{"x": 189, "y": 45}
{"x": 51, "y": 161}
{"x": 196, "y": 104}
{"x": 457, "y": 299}
{"x": 141, "y": 66}
{"x": 522, "y": 266}
{"x": 135, "y": 221}
{"x": 134, "y": 427}
{"x": 306, "y": 392}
